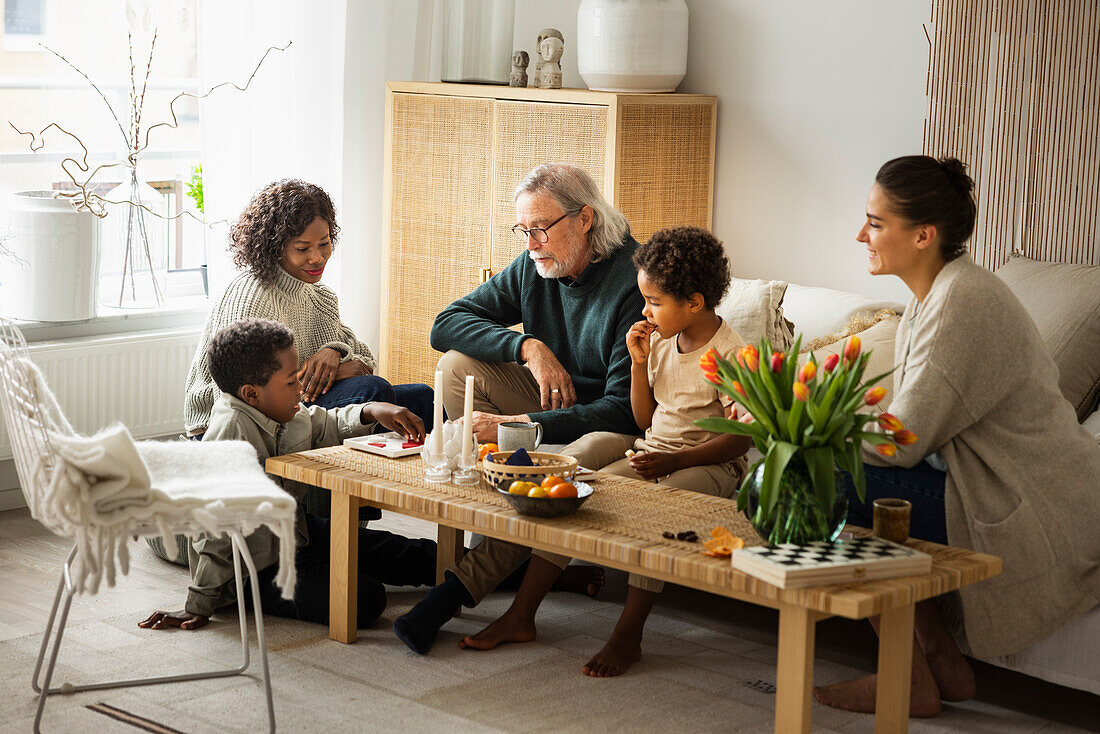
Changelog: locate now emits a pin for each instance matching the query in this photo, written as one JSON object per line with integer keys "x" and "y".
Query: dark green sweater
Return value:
{"x": 584, "y": 323}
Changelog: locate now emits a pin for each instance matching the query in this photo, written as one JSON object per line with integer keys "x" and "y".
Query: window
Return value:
{"x": 38, "y": 88}
{"x": 24, "y": 24}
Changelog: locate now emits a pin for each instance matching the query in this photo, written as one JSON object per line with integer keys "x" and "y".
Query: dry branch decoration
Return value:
{"x": 84, "y": 197}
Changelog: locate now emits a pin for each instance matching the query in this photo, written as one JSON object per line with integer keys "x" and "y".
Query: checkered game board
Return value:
{"x": 793, "y": 566}
{"x": 824, "y": 553}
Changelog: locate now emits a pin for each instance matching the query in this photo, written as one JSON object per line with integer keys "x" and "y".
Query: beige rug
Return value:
{"x": 691, "y": 679}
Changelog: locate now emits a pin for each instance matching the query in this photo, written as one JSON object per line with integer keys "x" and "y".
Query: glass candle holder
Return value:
{"x": 468, "y": 471}
{"x": 437, "y": 467}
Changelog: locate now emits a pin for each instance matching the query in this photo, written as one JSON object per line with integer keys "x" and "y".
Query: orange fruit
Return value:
{"x": 551, "y": 480}
{"x": 485, "y": 449}
{"x": 537, "y": 491}
{"x": 562, "y": 490}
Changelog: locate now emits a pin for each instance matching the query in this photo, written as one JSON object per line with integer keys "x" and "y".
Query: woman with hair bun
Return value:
{"x": 998, "y": 463}
{"x": 282, "y": 241}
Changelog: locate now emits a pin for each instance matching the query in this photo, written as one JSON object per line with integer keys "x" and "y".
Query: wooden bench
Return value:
{"x": 621, "y": 527}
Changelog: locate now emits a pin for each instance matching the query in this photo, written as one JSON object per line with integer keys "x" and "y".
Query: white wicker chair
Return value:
{"x": 27, "y": 409}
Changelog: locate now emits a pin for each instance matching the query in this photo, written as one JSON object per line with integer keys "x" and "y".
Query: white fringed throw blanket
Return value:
{"x": 104, "y": 488}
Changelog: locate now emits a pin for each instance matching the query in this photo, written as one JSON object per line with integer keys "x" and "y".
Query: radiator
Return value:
{"x": 136, "y": 379}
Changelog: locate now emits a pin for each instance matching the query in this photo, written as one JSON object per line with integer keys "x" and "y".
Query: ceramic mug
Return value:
{"x": 513, "y": 435}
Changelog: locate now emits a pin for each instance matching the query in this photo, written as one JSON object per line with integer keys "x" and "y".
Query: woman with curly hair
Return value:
{"x": 282, "y": 241}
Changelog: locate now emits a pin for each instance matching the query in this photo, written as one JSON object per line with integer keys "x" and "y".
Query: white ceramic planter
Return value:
{"x": 632, "y": 45}
{"x": 52, "y": 273}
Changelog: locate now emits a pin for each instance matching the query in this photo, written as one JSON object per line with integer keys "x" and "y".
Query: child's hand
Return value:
{"x": 652, "y": 465}
{"x": 737, "y": 412}
{"x": 395, "y": 418}
{"x": 182, "y": 619}
{"x": 637, "y": 341}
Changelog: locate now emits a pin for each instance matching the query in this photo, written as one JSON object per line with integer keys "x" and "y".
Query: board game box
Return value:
{"x": 790, "y": 566}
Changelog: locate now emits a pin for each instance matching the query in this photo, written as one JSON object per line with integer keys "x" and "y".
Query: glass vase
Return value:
{"x": 134, "y": 261}
{"x": 798, "y": 516}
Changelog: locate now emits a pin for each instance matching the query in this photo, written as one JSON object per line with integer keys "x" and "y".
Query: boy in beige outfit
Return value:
{"x": 683, "y": 273}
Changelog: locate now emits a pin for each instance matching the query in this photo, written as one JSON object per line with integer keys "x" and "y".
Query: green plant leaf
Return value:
{"x": 820, "y": 464}
{"x": 874, "y": 439}
{"x": 775, "y": 461}
{"x": 725, "y": 425}
{"x": 793, "y": 420}
{"x": 859, "y": 479}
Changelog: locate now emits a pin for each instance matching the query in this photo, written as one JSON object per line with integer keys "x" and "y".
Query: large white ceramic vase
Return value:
{"x": 49, "y": 264}
{"x": 632, "y": 45}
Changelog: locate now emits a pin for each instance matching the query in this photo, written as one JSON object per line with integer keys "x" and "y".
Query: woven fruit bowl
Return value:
{"x": 545, "y": 465}
{"x": 545, "y": 506}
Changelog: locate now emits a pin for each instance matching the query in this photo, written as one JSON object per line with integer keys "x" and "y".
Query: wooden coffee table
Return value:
{"x": 620, "y": 526}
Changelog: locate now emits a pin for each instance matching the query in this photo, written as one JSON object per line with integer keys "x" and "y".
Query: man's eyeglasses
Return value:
{"x": 538, "y": 234}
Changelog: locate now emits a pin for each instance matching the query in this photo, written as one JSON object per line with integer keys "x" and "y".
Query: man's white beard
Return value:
{"x": 554, "y": 268}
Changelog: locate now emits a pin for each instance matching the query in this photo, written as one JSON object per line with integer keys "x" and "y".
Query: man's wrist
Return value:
{"x": 527, "y": 348}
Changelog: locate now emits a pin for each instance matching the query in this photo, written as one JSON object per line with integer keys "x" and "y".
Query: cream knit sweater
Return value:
{"x": 975, "y": 383}
{"x": 309, "y": 310}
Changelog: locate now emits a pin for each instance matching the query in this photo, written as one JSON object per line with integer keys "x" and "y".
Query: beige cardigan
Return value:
{"x": 976, "y": 384}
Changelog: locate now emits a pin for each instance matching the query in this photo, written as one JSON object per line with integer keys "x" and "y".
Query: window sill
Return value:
{"x": 179, "y": 312}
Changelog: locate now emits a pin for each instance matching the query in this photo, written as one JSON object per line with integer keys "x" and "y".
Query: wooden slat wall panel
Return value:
{"x": 1014, "y": 91}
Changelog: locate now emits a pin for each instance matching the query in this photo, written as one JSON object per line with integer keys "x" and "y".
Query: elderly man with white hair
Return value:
{"x": 575, "y": 291}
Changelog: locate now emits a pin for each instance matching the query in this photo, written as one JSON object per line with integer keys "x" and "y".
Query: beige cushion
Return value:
{"x": 1064, "y": 302}
{"x": 879, "y": 340}
{"x": 754, "y": 308}
{"x": 817, "y": 312}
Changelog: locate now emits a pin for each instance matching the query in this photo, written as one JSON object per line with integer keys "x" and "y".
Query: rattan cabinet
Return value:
{"x": 455, "y": 152}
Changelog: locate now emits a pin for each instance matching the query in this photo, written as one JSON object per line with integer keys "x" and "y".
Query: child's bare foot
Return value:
{"x": 859, "y": 695}
{"x": 509, "y": 628}
{"x": 613, "y": 659}
{"x": 581, "y": 579}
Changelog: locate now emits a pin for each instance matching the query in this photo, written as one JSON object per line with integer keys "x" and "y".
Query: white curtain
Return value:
{"x": 315, "y": 112}
{"x": 289, "y": 123}
{"x": 387, "y": 40}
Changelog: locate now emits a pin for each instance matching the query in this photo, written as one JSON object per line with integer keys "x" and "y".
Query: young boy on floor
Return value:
{"x": 683, "y": 273}
{"x": 255, "y": 364}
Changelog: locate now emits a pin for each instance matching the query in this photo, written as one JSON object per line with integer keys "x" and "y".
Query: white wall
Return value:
{"x": 813, "y": 96}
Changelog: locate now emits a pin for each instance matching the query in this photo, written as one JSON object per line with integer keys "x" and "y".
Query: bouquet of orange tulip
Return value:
{"x": 806, "y": 421}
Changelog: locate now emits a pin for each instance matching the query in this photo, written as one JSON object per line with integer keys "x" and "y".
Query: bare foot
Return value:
{"x": 509, "y": 628}
{"x": 953, "y": 675}
{"x": 859, "y": 695}
{"x": 581, "y": 580}
{"x": 613, "y": 659}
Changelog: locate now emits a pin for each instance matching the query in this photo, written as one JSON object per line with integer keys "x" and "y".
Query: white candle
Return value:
{"x": 437, "y": 417}
{"x": 468, "y": 418}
